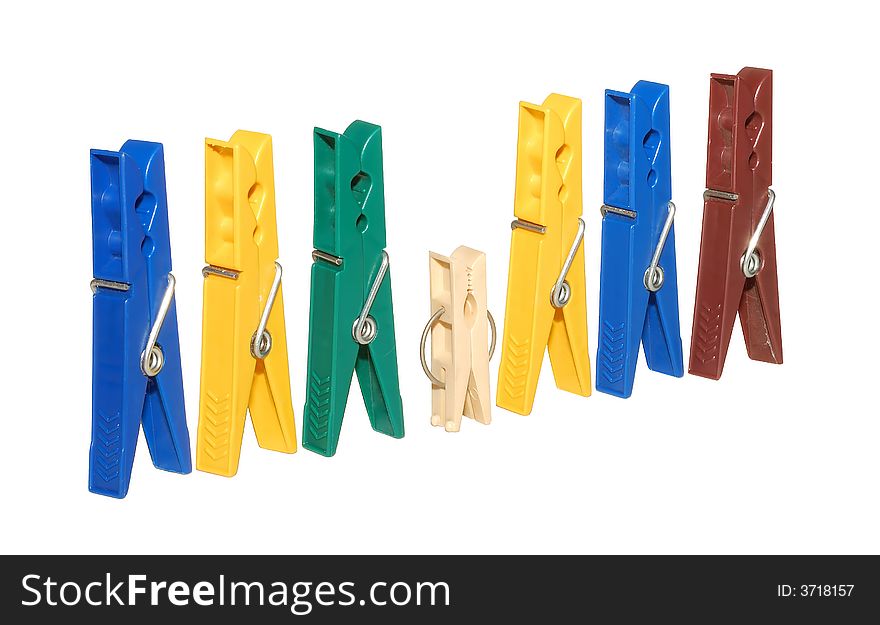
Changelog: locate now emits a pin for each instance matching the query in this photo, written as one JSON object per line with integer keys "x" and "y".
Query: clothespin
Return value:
{"x": 459, "y": 329}
{"x": 136, "y": 374}
{"x": 244, "y": 343}
{"x": 738, "y": 247}
{"x": 546, "y": 288}
{"x": 638, "y": 292}
{"x": 351, "y": 324}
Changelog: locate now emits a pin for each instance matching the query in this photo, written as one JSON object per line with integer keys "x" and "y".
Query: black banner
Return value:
{"x": 428, "y": 589}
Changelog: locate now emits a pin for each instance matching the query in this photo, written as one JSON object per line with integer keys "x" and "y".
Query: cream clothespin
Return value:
{"x": 459, "y": 329}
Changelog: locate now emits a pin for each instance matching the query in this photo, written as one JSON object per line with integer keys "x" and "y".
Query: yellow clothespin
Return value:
{"x": 546, "y": 290}
{"x": 244, "y": 344}
{"x": 459, "y": 329}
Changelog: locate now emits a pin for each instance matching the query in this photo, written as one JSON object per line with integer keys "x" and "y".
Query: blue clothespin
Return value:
{"x": 136, "y": 374}
{"x": 638, "y": 292}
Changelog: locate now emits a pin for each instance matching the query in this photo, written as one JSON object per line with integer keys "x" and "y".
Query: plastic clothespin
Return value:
{"x": 546, "y": 288}
{"x": 459, "y": 330}
{"x": 638, "y": 293}
{"x": 244, "y": 343}
{"x": 738, "y": 248}
{"x": 136, "y": 374}
{"x": 351, "y": 323}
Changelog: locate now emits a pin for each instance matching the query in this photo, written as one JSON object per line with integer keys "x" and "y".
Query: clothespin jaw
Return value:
{"x": 737, "y": 270}
{"x": 351, "y": 323}
{"x": 459, "y": 330}
{"x": 638, "y": 296}
{"x": 136, "y": 354}
{"x": 546, "y": 290}
{"x": 244, "y": 342}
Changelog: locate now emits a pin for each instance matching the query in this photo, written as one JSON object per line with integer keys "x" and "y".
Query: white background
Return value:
{"x": 770, "y": 459}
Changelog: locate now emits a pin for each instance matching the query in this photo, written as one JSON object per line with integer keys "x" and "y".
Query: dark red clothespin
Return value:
{"x": 738, "y": 248}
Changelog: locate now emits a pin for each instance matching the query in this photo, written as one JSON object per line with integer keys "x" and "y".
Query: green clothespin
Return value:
{"x": 351, "y": 323}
